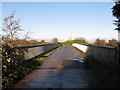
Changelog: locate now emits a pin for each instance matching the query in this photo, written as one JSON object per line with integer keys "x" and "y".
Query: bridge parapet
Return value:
{"x": 29, "y": 52}
{"x": 102, "y": 54}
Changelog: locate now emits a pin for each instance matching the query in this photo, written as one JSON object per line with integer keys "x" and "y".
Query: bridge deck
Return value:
{"x": 60, "y": 70}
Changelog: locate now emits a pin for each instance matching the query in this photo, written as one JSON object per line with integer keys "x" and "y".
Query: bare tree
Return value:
{"x": 11, "y": 27}
{"x": 27, "y": 36}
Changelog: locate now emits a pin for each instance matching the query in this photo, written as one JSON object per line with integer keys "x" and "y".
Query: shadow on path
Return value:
{"x": 61, "y": 70}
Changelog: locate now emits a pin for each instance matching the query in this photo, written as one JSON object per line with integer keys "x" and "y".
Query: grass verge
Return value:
{"x": 82, "y": 54}
{"x": 46, "y": 55}
{"x": 24, "y": 68}
{"x": 76, "y": 50}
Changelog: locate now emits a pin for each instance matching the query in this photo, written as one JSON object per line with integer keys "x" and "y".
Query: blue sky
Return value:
{"x": 46, "y": 20}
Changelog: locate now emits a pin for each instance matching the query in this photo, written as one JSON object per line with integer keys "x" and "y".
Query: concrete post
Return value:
{"x": 118, "y": 53}
{"x": 118, "y": 35}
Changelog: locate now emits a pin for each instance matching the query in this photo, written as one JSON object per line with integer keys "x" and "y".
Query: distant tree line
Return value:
{"x": 11, "y": 34}
{"x": 78, "y": 40}
{"x": 102, "y": 42}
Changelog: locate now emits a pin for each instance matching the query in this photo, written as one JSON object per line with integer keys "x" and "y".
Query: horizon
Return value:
{"x": 48, "y": 20}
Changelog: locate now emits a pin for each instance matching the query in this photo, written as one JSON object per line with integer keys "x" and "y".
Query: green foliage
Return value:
{"x": 42, "y": 42}
{"x": 40, "y": 60}
{"x": 51, "y": 52}
{"x": 116, "y": 9}
{"x": 116, "y": 13}
{"x": 13, "y": 68}
{"x": 9, "y": 63}
{"x": 76, "y": 51}
{"x": 69, "y": 42}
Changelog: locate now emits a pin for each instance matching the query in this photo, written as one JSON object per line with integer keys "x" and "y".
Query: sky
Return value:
{"x": 48, "y": 20}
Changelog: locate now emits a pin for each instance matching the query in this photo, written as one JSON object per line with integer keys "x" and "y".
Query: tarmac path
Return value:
{"x": 62, "y": 69}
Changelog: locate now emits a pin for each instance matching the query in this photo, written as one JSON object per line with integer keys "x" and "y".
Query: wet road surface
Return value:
{"x": 62, "y": 69}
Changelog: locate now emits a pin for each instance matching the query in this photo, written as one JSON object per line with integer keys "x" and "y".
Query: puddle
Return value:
{"x": 76, "y": 59}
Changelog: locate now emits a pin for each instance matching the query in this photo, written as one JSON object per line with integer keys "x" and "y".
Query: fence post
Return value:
{"x": 118, "y": 53}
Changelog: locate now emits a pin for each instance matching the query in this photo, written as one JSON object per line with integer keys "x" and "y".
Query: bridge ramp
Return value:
{"x": 62, "y": 69}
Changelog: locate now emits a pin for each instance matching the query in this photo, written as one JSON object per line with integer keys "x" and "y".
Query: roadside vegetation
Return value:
{"x": 101, "y": 42}
{"x": 69, "y": 42}
{"x": 77, "y": 50}
{"x": 13, "y": 67}
{"x": 48, "y": 54}
{"x": 16, "y": 70}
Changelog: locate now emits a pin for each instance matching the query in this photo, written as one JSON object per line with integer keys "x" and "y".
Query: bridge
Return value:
{"x": 62, "y": 69}
{"x": 68, "y": 67}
